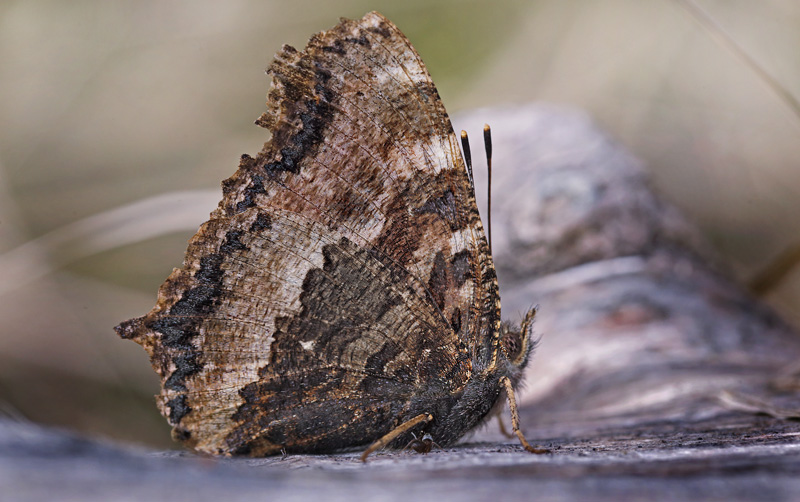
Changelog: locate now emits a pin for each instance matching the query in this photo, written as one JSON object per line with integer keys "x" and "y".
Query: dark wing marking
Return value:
{"x": 344, "y": 273}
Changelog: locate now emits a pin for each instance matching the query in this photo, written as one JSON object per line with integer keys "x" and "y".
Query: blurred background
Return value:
{"x": 120, "y": 119}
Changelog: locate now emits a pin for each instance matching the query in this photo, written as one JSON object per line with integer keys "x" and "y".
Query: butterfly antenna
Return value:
{"x": 467, "y": 157}
{"x": 487, "y": 141}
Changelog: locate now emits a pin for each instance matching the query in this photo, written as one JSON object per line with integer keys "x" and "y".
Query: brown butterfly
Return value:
{"x": 342, "y": 293}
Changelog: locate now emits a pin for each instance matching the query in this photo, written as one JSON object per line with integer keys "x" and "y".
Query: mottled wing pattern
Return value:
{"x": 345, "y": 273}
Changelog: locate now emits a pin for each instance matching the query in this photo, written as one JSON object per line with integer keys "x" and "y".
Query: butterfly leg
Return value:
{"x": 425, "y": 417}
{"x": 502, "y": 426}
{"x": 412, "y": 442}
{"x": 422, "y": 445}
{"x": 512, "y": 404}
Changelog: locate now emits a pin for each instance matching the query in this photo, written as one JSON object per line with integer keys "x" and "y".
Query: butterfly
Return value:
{"x": 343, "y": 293}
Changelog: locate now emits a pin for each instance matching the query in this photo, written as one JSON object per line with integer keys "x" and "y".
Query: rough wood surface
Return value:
{"x": 656, "y": 377}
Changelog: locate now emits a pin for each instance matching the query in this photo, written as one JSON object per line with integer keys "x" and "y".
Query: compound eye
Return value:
{"x": 512, "y": 344}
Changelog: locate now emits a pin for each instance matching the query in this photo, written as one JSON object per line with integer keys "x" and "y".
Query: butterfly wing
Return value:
{"x": 344, "y": 281}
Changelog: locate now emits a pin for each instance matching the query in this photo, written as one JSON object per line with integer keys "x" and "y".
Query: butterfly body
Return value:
{"x": 343, "y": 286}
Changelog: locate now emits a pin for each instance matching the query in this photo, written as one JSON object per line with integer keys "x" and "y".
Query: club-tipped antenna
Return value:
{"x": 467, "y": 157}
{"x": 487, "y": 142}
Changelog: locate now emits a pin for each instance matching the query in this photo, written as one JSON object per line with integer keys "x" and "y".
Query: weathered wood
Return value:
{"x": 738, "y": 458}
{"x": 656, "y": 377}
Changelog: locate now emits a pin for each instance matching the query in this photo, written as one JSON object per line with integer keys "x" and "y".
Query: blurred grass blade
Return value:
{"x": 136, "y": 222}
{"x": 775, "y": 271}
{"x": 727, "y": 41}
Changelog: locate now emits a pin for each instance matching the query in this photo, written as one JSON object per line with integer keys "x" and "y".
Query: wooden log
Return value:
{"x": 657, "y": 376}
{"x": 638, "y": 318}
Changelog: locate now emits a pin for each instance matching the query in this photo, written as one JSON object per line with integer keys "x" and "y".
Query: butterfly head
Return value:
{"x": 517, "y": 345}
